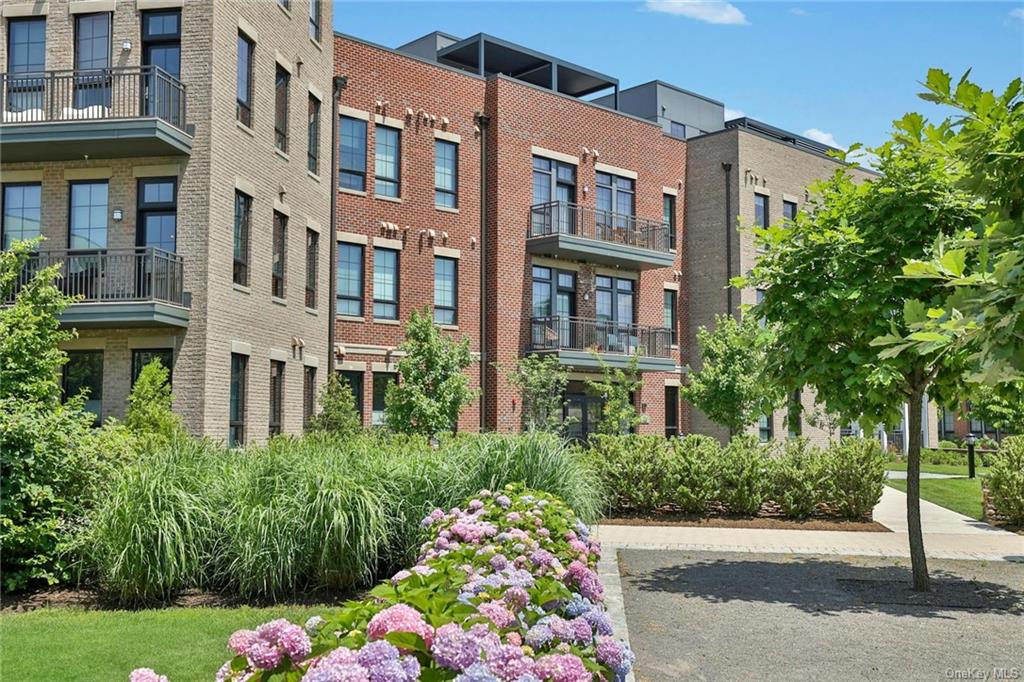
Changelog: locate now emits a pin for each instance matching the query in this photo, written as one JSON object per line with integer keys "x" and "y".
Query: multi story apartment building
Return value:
{"x": 553, "y": 224}
{"x": 175, "y": 155}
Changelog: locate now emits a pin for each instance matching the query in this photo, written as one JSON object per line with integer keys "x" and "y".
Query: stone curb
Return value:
{"x": 614, "y": 602}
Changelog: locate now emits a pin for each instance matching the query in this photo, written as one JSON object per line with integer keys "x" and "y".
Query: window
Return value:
{"x": 158, "y": 214}
{"x": 22, "y": 212}
{"x": 615, "y": 297}
{"x": 243, "y": 216}
{"x": 312, "y": 267}
{"x": 83, "y": 373}
{"x": 314, "y": 20}
{"x": 671, "y": 411}
{"x": 92, "y": 54}
{"x": 764, "y": 428}
{"x": 760, "y": 299}
{"x": 350, "y": 280}
{"x": 313, "y": 136}
{"x": 387, "y": 159}
{"x": 385, "y": 284}
{"x": 789, "y": 210}
{"x": 668, "y": 217}
{"x": 446, "y": 290}
{"x": 947, "y": 425}
{"x": 308, "y": 395}
{"x": 446, "y": 174}
{"x": 793, "y": 414}
{"x": 553, "y": 181}
{"x": 354, "y": 381}
{"x": 143, "y": 356}
{"x": 671, "y": 310}
{"x": 677, "y": 129}
{"x": 88, "y": 219}
{"x": 760, "y": 210}
{"x": 277, "y": 264}
{"x": 352, "y": 174}
{"x": 26, "y": 61}
{"x": 276, "y": 396}
{"x": 286, "y": 4}
{"x": 161, "y": 48}
{"x": 281, "y": 82}
{"x": 616, "y": 202}
{"x": 236, "y": 404}
{"x": 380, "y": 389}
{"x": 243, "y": 88}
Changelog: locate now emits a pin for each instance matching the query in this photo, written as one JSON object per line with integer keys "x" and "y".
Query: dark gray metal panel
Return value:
{"x": 141, "y": 314}
{"x": 426, "y": 47}
{"x": 102, "y": 139}
{"x": 641, "y": 101}
{"x": 572, "y": 247}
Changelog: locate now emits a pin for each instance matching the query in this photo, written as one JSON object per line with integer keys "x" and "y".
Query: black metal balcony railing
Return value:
{"x": 91, "y": 95}
{"x": 142, "y": 274}
{"x": 554, "y": 332}
{"x": 562, "y": 217}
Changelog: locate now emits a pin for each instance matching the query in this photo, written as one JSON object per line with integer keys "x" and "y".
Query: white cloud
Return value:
{"x": 710, "y": 11}
{"x": 798, "y": 11}
{"x": 730, "y": 114}
{"x": 823, "y": 137}
{"x": 1017, "y": 13}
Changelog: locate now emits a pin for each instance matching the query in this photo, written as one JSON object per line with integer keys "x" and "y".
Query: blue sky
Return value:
{"x": 840, "y": 71}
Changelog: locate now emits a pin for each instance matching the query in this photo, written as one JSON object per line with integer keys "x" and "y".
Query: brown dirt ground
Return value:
{"x": 676, "y": 519}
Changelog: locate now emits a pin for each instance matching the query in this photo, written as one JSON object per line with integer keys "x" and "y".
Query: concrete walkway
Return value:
{"x": 902, "y": 475}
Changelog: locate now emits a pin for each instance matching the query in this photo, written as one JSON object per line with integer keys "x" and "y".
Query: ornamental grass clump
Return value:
{"x": 505, "y": 589}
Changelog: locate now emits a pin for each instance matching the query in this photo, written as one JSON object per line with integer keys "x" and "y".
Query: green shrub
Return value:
{"x": 743, "y": 481}
{"x": 1006, "y": 480}
{"x": 798, "y": 476}
{"x": 633, "y": 470}
{"x": 948, "y": 445}
{"x": 149, "y": 415}
{"x": 692, "y": 471}
{"x": 338, "y": 415}
{"x": 855, "y": 474}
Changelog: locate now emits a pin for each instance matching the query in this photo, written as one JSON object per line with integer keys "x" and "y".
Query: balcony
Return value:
{"x": 577, "y": 339}
{"x": 117, "y": 287}
{"x": 100, "y": 114}
{"x": 575, "y": 232}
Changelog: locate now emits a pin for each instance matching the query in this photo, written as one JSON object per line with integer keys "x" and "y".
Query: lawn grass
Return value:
{"x": 954, "y": 469}
{"x": 962, "y": 495}
{"x": 86, "y": 645}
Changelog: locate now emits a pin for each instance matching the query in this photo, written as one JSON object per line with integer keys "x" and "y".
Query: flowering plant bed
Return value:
{"x": 506, "y": 590}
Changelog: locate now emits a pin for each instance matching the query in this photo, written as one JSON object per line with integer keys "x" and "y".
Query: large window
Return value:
{"x": 668, "y": 217}
{"x": 385, "y": 284}
{"x": 352, "y": 174}
{"x": 143, "y": 356}
{"x": 158, "y": 213}
{"x": 276, "y": 396}
{"x": 312, "y": 267}
{"x": 22, "y": 212}
{"x": 88, "y": 219}
{"x": 92, "y": 60}
{"x": 764, "y": 428}
{"x": 83, "y": 373}
{"x": 789, "y": 210}
{"x": 553, "y": 181}
{"x": 281, "y": 82}
{"x": 243, "y": 217}
{"x": 236, "y": 404}
{"x": 161, "y": 47}
{"x": 243, "y": 88}
{"x": 615, "y": 297}
{"x": 387, "y": 161}
{"x": 313, "y": 136}
{"x": 760, "y": 210}
{"x": 380, "y": 390}
{"x": 314, "y": 19}
{"x": 26, "y": 60}
{"x": 616, "y": 201}
{"x": 446, "y": 174}
{"x": 308, "y": 395}
{"x": 278, "y": 255}
{"x": 671, "y": 311}
{"x": 354, "y": 381}
{"x": 446, "y": 290}
{"x": 350, "y": 280}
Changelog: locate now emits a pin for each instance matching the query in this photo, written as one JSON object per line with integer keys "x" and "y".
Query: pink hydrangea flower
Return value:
{"x": 498, "y": 614}
{"x": 241, "y": 640}
{"x": 562, "y": 668}
{"x": 146, "y": 675}
{"x": 264, "y": 655}
{"x": 399, "y": 618}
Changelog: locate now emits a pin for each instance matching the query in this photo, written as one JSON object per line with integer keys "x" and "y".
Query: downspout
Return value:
{"x": 339, "y": 84}
{"x": 483, "y": 121}
{"x": 727, "y": 168}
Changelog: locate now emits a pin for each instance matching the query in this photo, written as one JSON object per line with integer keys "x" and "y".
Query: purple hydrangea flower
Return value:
{"x": 478, "y": 672}
{"x": 563, "y": 668}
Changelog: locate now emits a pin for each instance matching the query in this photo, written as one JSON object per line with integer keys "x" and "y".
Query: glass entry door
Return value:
{"x": 582, "y": 412}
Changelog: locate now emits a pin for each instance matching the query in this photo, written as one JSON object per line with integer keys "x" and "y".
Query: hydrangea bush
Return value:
{"x": 505, "y": 590}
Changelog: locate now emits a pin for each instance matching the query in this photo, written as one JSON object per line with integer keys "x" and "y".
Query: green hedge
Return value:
{"x": 1006, "y": 480}
{"x": 643, "y": 473}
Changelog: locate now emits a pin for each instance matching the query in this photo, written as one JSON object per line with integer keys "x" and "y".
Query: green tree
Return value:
{"x": 733, "y": 387}
{"x": 45, "y": 467}
{"x": 149, "y": 413}
{"x": 338, "y": 415}
{"x": 1001, "y": 406}
{"x": 541, "y": 382}
{"x": 433, "y": 387}
{"x": 836, "y": 295}
{"x": 617, "y": 388}
{"x": 982, "y": 266}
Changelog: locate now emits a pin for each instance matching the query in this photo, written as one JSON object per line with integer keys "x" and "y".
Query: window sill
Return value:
{"x": 449, "y": 327}
{"x": 245, "y": 129}
{"x": 394, "y": 200}
{"x": 378, "y": 320}
{"x": 349, "y": 318}
{"x": 278, "y": 301}
{"x": 673, "y": 346}
{"x": 312, "y": 311}
{"x": 353, "y": 192}
{"x": 283, "y": 155}
{"x": 241, "y": 288}
{"x": 445, "y": 209}
{"x": 316, "y": 44}
{"x": 287, "y": 12}
{"x": 672, "y": 250}
{"x": 312, "y": 175}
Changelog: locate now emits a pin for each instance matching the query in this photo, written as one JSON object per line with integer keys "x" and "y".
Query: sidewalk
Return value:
{"x": 947, "y": 535}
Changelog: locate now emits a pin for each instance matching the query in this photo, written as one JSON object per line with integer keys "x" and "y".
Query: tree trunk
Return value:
{"x": 918, "y": 561}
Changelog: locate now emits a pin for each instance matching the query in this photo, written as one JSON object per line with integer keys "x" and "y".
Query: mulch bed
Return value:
{"x": 677, "y": 519}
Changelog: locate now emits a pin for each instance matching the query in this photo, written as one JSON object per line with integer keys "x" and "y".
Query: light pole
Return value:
{"x": 971, "y": 440}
